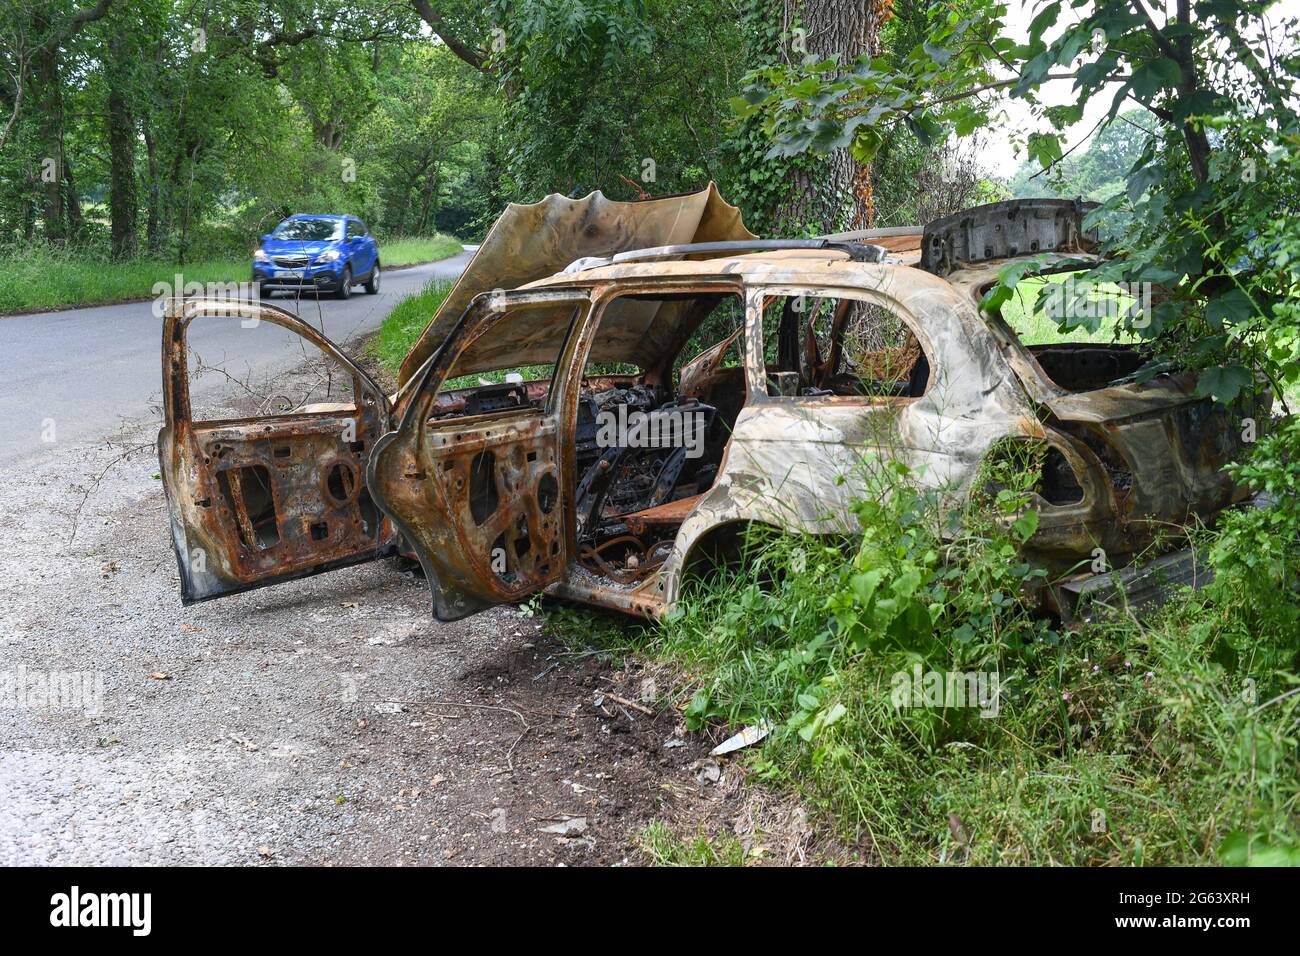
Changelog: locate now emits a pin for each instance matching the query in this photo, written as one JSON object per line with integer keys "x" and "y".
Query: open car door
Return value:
{"x": 477, "y": 475}
{"x": 254, "y": 501}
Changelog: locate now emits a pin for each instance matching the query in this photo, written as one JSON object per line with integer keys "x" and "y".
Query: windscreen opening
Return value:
{"x": 510, "y": 366}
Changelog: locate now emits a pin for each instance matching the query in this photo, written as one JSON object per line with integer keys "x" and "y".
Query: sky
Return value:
{"x": 999, "y": 152}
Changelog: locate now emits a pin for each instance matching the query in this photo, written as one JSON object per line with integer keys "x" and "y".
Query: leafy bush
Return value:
{"x": 1257, "y": 556}
{"x": 407, "y": 320}
{"x": 1126, "y": 742}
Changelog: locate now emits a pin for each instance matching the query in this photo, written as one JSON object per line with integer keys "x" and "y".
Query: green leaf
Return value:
{"x": 1044, "y": 148}
{"x": 1233, "y": 307}
{"x": 1142, "y": 179}
{"x": 939, "y": 54}
{"x": 1023, "y": 528}
{"x": 1223, "y": 383}
{"x": 834, "y": 714}
{"x": 1150, "y": 78}
{"x": 1046, "y": 18}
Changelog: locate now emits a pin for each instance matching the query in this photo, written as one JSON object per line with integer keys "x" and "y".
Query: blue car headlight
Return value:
{"x": 261, "y": 256}
{"x": 329, "y": 255}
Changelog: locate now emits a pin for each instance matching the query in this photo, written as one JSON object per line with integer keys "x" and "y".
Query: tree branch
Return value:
{"x": 80, "y": 17}
{"x": 440, "y": 28}
{"x": 1167, "y": 48}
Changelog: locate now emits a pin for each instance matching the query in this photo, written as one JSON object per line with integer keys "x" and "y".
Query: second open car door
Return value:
{"x": 264, "y": 499}
{"x": 476, "y": 478}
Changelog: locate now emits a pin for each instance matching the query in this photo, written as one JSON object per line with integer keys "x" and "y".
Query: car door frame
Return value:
{"x": 371, "y": 246}
{"x": 424, "y": 503}
{"x": 216, "y": 551}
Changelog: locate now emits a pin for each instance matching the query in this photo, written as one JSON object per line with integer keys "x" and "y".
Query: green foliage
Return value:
{"x": 45, "y": 277}
{"x": 1167, "y": 741}
{"x": 1098, "y": 173}
{"x": 615, "y": 88}
{"x": 1205, "y": 199}
{"x": 403, "y": 325}
{"x": 1257, "y": 555}
{"x": 235, "y": 115}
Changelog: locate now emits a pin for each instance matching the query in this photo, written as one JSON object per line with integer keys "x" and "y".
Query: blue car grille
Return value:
{"x": 289, "y": 262}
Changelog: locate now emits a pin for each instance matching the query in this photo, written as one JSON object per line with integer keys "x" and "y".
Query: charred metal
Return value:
{"x": 825, "y": 357}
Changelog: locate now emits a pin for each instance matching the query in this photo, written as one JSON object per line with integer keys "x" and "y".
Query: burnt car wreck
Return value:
{"x": 583, "y": 310}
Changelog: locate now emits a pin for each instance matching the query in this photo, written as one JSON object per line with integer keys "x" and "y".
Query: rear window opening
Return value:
{"x": 1079, "y": 332}
{"x": 1080, "y": 367}
{"x": 820, "y": 345}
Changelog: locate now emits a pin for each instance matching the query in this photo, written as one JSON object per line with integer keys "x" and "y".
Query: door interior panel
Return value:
{"x": 264, "y": 499}
{"x": 285, "y": 495}
{"x": 486, "y": 503}
{"x": 477, "y": 488}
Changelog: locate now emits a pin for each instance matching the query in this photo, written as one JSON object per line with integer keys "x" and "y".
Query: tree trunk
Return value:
{"x": 122, "y": 208}
{"x": 20, "y": 87}
{"x": 49, "y": 102}
{"x": 184, "y": 249}
{"x": 833, "y": 193}
{"x": 72, "y": 201}
{"x": 152, "y": 234}
{"x": 430, "y": 188}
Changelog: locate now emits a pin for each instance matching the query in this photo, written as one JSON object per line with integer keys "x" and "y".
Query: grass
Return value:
{"x": 1169, "y": 741}
{"x": 405, "y": 252}
{"x": 405, "y": 323}
{"x": 42, "y": 278}
{"x": 665, "y": 848}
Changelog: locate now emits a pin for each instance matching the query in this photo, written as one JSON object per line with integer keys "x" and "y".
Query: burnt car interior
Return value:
{"x": 634, "y": 489}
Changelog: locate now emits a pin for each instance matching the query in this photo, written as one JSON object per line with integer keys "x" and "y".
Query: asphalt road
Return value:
{"x": 77, "y": 376}
{"x": 329, "y": 720}
{"x": 324, "y": 721}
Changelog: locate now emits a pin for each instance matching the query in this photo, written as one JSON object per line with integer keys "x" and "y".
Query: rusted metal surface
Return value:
{"x": 485, "y": 492}
{"x": 483, "y": 500}
{"x": 530, "y": 242}
{"x": 702, "y": 374}
{"x": 1005, "y": 230}
{"x": 673, "y": 513}
{"x": 264, "y": 499}
{"x": 1149, "y": 455}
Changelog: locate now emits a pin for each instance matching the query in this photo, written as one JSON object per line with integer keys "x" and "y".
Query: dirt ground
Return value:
{"x": 328, "y": 721}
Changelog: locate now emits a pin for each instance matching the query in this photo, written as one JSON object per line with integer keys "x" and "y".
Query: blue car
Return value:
{"x": 318, "y": 254}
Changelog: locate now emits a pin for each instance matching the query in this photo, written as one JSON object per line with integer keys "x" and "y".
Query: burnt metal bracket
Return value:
{"x": 1004, "y": 230}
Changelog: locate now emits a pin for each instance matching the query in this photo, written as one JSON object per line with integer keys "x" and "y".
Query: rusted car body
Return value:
{"x": 500, "y": 491}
